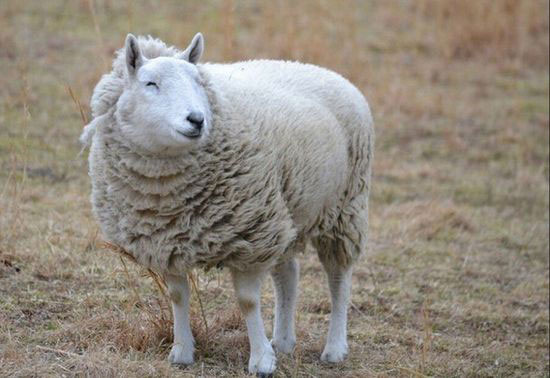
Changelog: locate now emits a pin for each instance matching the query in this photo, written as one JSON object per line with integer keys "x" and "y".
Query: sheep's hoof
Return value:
{"x": 264, "y": 375}
{"x": 262, "y": 362}
{"x": 285, "y": 346}
{"x": 334, "y": 353}
{"x": 180, "y": 356}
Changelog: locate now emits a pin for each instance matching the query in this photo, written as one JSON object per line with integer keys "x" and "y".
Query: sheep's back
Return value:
{"x": 327, "y": 88}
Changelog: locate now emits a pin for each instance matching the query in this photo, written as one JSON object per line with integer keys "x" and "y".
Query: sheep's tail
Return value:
{"x": 348, "y": 238}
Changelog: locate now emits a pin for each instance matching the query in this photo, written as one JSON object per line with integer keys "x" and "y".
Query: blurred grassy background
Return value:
{"x": 455, "y": 282}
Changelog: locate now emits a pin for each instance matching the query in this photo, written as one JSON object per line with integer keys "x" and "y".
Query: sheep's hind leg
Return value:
{"x": 183, "y": 347}
{"x": 339, "y": 281}
{"x": 247, "y": 288}
{"x": 285, "y": 280}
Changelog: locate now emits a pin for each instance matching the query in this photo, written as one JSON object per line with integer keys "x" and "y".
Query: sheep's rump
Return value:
{"x": 287, "y": 160}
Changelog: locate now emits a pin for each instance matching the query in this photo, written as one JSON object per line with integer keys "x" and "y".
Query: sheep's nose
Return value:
{"x": 196, "y": 119}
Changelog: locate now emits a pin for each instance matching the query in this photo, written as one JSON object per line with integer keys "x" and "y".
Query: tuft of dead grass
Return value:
{"x": 427, "y": 220}
{"x": 504, "y": 29}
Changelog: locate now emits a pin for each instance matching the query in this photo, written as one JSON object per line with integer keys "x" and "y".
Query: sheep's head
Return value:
{"x": 164, "y": 107}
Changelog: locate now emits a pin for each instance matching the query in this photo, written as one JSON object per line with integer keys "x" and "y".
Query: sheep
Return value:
{"x": 200, "y": 165}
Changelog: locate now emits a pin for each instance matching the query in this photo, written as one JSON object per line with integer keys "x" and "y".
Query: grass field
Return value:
{"x": 456, "y": 279}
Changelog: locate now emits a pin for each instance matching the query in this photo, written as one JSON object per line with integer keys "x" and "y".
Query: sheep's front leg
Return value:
{"x": 339, "y": 281}
{"x": 247, "y": 288}
{"x": 285, "y": 280}
{"x": 182, "y": 349}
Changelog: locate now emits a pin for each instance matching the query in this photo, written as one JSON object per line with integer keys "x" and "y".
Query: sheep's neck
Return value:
{"x": 154, "y": 175}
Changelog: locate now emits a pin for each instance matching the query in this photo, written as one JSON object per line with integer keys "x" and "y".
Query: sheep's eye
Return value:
{"x": 151, "y": 83}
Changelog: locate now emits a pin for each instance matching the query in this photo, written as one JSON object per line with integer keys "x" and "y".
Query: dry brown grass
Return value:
{"x": 506, "y": 29}
{"x": 456, "y": 280}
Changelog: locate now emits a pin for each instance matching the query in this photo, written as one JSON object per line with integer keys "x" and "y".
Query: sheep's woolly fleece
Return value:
{"x": 287, "y": 161}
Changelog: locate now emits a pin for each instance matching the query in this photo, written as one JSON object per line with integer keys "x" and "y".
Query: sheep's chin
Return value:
{"x": 178, "y": 146}
{"x": 168, "y": 143}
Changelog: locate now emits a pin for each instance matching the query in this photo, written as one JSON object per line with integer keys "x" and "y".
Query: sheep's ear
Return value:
{"x": 194, "y": 51}
{"x": 134, "y": 58}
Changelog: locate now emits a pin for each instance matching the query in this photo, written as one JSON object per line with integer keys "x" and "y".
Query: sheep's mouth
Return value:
{"x": 193, "y": 134}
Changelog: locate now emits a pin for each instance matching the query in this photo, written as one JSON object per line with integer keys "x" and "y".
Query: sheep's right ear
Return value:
{"x": 134, "y": 58}
{"x": 193, "y": 52}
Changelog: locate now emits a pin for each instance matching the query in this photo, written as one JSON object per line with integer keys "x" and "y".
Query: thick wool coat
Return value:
{"x": 287, "y": 160}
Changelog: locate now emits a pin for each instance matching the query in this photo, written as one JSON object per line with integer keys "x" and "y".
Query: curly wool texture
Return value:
{"x": 287, "y": 160}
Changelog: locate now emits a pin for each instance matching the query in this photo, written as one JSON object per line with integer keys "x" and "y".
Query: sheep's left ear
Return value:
{"x": 193, "y": 52}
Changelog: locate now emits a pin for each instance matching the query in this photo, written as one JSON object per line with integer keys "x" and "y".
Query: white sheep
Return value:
{"x": 197, "y": 165}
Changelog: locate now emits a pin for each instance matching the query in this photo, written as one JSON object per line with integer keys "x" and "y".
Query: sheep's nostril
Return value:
{"x": 196, "y": 119}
